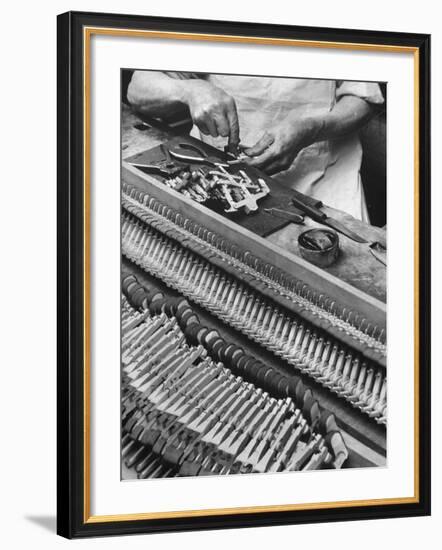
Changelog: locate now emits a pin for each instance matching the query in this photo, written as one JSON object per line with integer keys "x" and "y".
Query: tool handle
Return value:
{"x": 193, "y": 148}
{"x": 309, "y": 201}
{"x": 311, "y": 211}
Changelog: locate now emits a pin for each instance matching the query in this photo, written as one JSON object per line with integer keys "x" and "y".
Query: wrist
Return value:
{"x": 313, "y": 130}
{"x": 188, "y": 90}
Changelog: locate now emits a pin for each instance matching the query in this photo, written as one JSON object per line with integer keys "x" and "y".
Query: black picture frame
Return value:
{"x": 71, "y": 392}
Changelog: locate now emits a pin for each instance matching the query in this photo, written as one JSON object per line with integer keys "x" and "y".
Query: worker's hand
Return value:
{"x": 276, "y": 150}
{"x": 213, "y": 110}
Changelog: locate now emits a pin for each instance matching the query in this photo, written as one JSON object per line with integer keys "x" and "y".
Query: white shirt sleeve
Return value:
{"x": 370, "y": 91}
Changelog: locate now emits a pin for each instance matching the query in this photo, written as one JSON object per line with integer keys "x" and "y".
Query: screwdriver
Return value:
{"x": 285, "y": 215}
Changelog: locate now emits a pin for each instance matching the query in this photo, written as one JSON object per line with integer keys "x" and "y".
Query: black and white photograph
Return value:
{"x": 253, "y": 274}
{"x": 243, "y": 276}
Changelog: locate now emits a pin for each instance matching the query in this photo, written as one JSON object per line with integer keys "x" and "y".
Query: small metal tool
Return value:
{"x": 244, "y": 199}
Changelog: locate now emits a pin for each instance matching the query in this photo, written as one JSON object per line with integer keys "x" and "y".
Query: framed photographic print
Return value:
{"x": 243, "y": 268}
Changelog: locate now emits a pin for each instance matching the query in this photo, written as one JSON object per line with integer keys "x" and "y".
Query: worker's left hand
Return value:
{"x": 281, "y": 143}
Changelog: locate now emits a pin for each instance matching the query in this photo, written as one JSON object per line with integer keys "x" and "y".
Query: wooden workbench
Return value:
{"x": 355, "y": 265}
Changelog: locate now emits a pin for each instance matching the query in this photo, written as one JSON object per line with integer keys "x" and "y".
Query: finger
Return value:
{"x": 279, "y": 164}
{"x": 259, "y": 147}
{"x": 260, "y": 161}
{"x": 232, "y": 119}
{"x": 211, "y": 126}
{"x": 222, "y": 125}
{"x": 202, "y": 127}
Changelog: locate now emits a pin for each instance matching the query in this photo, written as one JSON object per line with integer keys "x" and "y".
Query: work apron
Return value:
{"x": 327, "y": 170}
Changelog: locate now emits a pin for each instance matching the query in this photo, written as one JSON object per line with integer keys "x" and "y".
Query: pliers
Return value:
{"x": 165, "y": 167}
{"x": 202, "y": 157}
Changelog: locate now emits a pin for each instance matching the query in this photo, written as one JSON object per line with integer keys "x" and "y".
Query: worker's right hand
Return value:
{"x": 213, "y": 110}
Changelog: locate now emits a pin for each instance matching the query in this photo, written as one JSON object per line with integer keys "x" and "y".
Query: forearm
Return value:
{"x": 348, "y": 115}
{"x": 281, "y": 143}
{"x": 210, "y": 107}
{"x": 155, "y": 93}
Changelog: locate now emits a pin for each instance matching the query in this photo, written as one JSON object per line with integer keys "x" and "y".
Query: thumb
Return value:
{"x": 260, "y": 146}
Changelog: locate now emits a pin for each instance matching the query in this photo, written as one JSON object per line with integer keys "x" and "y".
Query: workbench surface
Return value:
{"x": 355, "y": 265}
